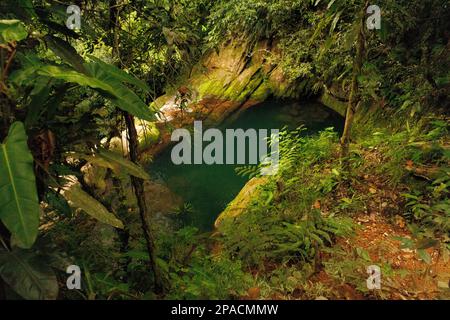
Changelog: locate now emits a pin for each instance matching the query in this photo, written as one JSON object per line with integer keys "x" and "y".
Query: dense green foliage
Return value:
{"x": 407, "y": 60}
{"x": 289, "y": 228}
{"x": 66, "y": 183}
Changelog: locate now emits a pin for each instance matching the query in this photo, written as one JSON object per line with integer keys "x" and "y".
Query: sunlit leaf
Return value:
{"x": 82, "y": 200}
{"x": 120, "y": 163}
{"x": 66, "y": 52}
{"x": 12, "y": 30}
{"x": 19, "y": 206}
{"x": 119, "y": 74}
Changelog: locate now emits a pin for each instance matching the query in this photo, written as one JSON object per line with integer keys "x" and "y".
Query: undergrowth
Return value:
{"x": 274, "y": 248}
{"x": 274, "y": 244}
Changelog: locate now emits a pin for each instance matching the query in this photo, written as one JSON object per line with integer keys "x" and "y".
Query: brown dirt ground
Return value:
{"x": 380, "y": 225}
{"x": 420, "y": 280}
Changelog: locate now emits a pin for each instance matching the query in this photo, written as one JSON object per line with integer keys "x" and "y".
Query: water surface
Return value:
{"x": 209, "y": 188}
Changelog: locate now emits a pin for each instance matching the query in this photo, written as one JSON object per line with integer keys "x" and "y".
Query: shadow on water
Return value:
{"x": 209, "y": 188}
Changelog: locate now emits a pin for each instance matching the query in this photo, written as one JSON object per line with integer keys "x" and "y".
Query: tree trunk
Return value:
{"x": 354, "y": 90}
{"x": 114, "y": 11}
{"x": 138, "y": 186}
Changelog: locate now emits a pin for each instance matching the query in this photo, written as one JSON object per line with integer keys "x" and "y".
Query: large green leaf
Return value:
{"x": 99, "y": 68}
{"x": 111, "y": 77}
{"x": 113, "y": 90}
{"x": 114, "y": 161}
{"x": 117, "y": 73}
{"x": 128, "y": 101}
{"x": 25, "y": 75}
{"x": 12, "y": 30}
{"x": 25, "y": 273}
{"x": 23, "y": 9}
{"x": 66, "y": 52}
{"x": 19, "y": 205}
{"x": 38, "y": 98}
{"x": 106, "y": 79}
{"x": 124, "y": 164}
{"x": 73, "y": 76}
{"x": 80, "y": 199}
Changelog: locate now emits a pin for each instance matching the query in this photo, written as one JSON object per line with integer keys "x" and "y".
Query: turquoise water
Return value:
{"x": 209, "y": 188}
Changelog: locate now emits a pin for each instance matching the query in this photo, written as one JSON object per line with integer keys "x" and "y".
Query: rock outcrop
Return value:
{"x": 242, "y": 200}
{"x": 222, "y": 84}
{"x": 225, "y": 83}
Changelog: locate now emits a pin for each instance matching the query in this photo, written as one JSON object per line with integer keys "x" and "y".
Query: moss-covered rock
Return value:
{"x": 333, "y": 103}
{"x": 227, "y": 80}
{"x": 242, "y": 200}
{"x": 223, "y": 84}
{"x": 148, "y": 133}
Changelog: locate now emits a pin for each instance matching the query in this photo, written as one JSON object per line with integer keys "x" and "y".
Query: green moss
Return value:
{"x": 332, "y": 103}
{"x": 262, "y": 93}
{"x": 255, "y": 82}
{"x": 210, "y": 87}
{"x": 148, "y": 134}
{"x": 278, "y": 89}
{"x": 234, "y": 90}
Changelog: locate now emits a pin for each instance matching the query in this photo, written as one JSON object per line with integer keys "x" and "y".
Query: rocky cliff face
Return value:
{"x": 228, "y": 80}
{"x": 221, "y": 85}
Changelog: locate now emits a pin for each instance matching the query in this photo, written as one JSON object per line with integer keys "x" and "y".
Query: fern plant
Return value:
{"x": 289, "y": 228}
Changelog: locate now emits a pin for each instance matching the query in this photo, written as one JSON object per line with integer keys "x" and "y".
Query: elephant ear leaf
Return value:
{"x": 117, "y": 73}
{"x": 12, "y": 30}
{"x": 119, "y": 163}
{"x": 19, "y": 205}
{"x": 114, "y": 161}
{"x": 66, "y": 52}
{"x": 104, "y": 83}
{"x": 25, "y": 273}
{"x": 121, "y": 95}
{"x": 82, "y": 200}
